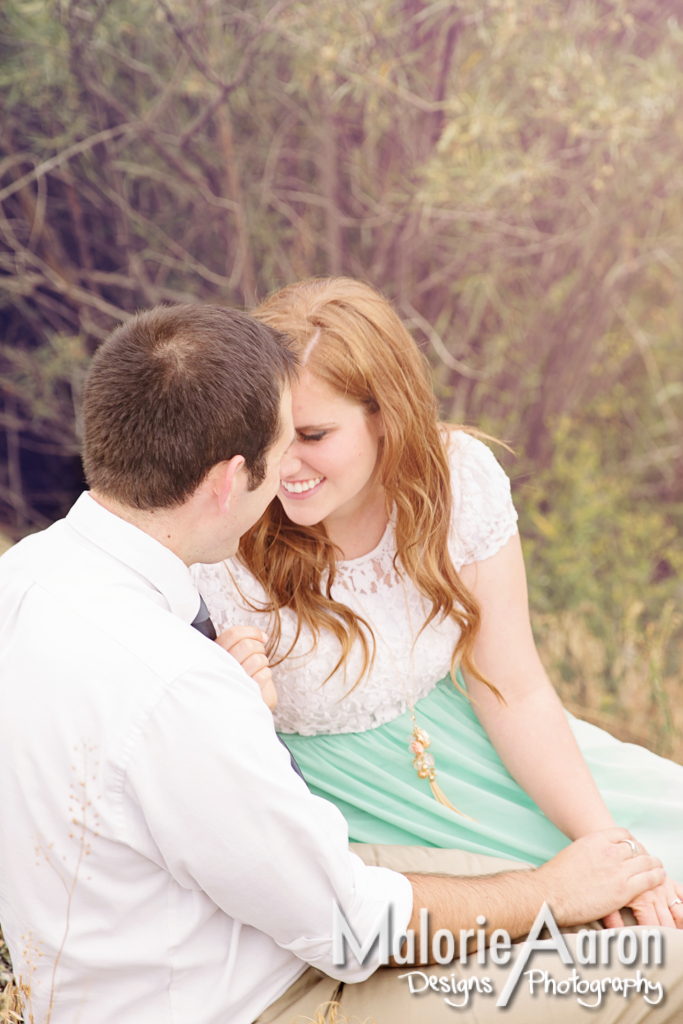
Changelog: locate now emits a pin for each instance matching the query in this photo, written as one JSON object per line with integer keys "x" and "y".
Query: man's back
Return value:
{"x": 131, "y": 835}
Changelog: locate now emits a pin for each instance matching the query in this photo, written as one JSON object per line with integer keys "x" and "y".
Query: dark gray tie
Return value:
{"x": 202, "y": 622}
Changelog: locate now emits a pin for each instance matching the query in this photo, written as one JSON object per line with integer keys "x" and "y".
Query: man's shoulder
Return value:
{"x": 51, "y": 553}
{"x": 20, "y": 569}
{"x": 14, "y": 557}
{"x": 90, "y": 608}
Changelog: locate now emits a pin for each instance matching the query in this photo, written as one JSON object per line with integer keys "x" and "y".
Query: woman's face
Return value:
{"x": 330, "y": 471}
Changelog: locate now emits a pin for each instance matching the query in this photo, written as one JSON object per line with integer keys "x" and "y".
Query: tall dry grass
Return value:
{"x": 10, "y": 1005}
{"x": 636, "y": 701}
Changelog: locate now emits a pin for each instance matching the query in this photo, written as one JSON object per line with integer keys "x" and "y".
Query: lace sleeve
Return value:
{"x": 222, "y": 586}
{"x": 483, "y": 517}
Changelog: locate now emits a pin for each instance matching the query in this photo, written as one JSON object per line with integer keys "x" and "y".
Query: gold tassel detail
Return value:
{"x": 443, "y": 799}
{"x": 423, "y": 764}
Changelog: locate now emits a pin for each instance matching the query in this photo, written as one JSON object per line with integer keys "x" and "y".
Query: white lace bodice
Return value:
{"x": 483, "y": 520}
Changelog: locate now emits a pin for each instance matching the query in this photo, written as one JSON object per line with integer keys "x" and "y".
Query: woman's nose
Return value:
{"x": 291, "y": 463}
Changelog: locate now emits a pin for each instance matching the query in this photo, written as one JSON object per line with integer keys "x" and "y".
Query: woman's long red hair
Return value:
{"x": 348, "y": 336}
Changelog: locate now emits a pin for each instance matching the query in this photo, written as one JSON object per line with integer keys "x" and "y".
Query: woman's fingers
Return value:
{"x": 661, "y": 902}
{"x": 674, "y": 893}
{"x": 254, "y": 663}
{"x": 672, "y": 896}
{"x": 644, "y": 913}
{"x": 649, "y": 909}
{"x": 243, "y": 643}
{"x": 267, "y": 687}
{"x": 234, "y": 635}
{"x": 613, "y": 920}
{"x": 246, "y": 644}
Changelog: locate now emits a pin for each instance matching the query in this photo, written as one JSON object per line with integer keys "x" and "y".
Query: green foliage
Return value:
{"x": 605, "y": 586}
{"x": 590, "y": 545}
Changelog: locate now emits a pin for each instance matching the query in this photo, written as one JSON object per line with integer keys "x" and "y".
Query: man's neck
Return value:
{"x": 165, "y": 525}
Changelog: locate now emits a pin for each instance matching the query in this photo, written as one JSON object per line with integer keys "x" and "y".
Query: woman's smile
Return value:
{"x": 299, "y": 489}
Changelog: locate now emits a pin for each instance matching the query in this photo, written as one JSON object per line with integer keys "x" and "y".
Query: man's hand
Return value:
{"x": 589, "y": 879}
{"x": 597, "y": 875}
{"x": 246, "y": 644}
{"x": 656, "y": 906}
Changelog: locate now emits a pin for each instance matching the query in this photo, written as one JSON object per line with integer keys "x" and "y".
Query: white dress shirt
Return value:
{"x": 160, "y": 862}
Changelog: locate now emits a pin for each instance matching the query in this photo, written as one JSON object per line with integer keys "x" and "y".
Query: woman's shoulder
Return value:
{"x": 483, "y": 516}
{"x": 230, "y": 591}
{"x": 471, "y": 460}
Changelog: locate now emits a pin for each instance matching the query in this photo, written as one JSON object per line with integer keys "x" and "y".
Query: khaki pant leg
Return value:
{"x": 430, "y": 860}
{"x": 307, "y": 1000}
{"x": 385, "y": 997}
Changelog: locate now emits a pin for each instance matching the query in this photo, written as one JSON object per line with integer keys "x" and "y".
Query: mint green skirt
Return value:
{"x": 370, "y": 777}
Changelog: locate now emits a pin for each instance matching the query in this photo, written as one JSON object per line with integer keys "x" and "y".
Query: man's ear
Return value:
{"x": 227, "y": 480}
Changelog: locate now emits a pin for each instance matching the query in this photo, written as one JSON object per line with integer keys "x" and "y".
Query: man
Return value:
{"x": 160, "y": 861}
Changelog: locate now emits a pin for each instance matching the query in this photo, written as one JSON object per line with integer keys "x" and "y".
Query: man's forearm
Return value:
{"x": 509, "y": 901}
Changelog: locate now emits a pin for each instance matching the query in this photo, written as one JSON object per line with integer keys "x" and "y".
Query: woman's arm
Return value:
{"x": 530, "y": 732}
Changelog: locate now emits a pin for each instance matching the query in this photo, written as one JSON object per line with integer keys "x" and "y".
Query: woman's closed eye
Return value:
{"x": 313, "y": 437}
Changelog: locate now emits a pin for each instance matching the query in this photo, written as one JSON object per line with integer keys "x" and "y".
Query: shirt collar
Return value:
{"x": 158, "y": 565}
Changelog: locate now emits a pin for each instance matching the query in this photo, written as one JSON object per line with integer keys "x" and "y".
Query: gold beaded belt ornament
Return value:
{"x": 424, "y": 765}
{"x": 419, "y": 740}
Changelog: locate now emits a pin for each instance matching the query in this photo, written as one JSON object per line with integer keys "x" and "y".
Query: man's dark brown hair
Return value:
{"x": 175, "y": 390}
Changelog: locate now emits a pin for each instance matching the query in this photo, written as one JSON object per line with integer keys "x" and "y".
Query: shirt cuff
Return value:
{"x": 377, "y": 891}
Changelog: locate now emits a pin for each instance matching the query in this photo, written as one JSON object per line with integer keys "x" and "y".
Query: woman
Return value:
{"x": 390, "y": 566}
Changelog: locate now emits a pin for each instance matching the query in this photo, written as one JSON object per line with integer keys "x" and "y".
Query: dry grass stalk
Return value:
{"x": 635, "y": 700}
{"x": 11, "y": 1004}
{"x": 330, "y": 1013}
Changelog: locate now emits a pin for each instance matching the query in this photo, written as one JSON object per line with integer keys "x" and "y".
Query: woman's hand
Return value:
{"x": 652, "y": 907}
{"x": 246, "y": 644}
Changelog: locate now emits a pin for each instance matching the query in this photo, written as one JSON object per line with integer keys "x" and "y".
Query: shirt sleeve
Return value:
{"x": 215, "y": 791}
{"x": 483, "y": 516}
